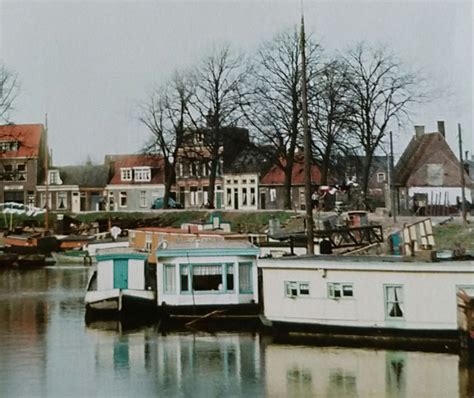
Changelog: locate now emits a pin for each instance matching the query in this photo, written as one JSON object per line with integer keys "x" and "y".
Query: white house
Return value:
{"x": 206, "y": 274}
{"x": 365, "y": 295}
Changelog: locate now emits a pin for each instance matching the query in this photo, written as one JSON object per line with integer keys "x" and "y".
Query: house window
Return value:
{"x": 193, "y": 196}
{"x": 61, "y": 200}
{"x": 294, "y": 289}
{"x": 273, "y": 194}
{"x": 193, "y": 169}
{"x": 142, "y": 174}
{"x": 126, "y": 174}
{"x": 245, "y": 278}
{"x": 207, "y": 277}
{"x": 244, "y": 181}
{"x": 142, "y": 199}
{"x": 394, "y": 301}
{"x": 229, "y": 196}
{"x": 8, "y": 172}
{"x": 123, "y": 199}
{"x": 244, "y": 196}
{"x": 21, "y": 172}
{"x": 31, "y": 199}
{"x": 340, "y": 290}
{"x": 380, "y": 177}
{"x": 181, "y": 169}
{"x": 204, "y": 169}
{"x": 205, "y": 195}
{"x": 252, "y": 196}
{"x": 169, "y": 278}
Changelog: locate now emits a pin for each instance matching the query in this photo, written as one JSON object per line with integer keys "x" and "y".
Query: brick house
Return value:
{"x": 22, "y": 159}
{"x": 271, "y": 189}
{"x": 137, "y": 180}
{"x": 428, "y": 173}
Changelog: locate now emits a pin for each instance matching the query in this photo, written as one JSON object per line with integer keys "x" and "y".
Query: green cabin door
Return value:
{"x": 121, "y": 274}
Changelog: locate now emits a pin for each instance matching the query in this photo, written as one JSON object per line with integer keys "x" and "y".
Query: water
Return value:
{"x": 46, "y": 350}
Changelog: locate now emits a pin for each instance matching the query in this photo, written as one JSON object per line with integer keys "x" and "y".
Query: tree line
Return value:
{"x": 352, "y": 99}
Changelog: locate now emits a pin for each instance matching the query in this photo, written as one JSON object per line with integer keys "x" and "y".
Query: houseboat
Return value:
{"x": 207, "y": 278}
{"x": 367, "y": 298}
{"x": 122, "y": 282}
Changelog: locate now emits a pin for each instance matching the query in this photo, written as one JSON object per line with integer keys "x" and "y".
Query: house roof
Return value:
{"x": 156, "y": 164}
{"x": 209, "y": 249}
{"x": 28, "y": 136}
{"x": 87, "y": 176}
{"x": 423, "y": 149}
{"x": 276, "y": 176}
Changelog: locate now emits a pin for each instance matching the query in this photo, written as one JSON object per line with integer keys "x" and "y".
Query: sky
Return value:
{"x": 88, "y": 65}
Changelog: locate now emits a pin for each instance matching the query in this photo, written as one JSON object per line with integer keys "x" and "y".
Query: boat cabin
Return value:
{"x": 205, "y": 274}
{"x": 364, "y": 295}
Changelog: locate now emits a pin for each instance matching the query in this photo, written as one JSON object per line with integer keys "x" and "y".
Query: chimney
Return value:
{"x": 419, "y": 131}
{"x": 441, "y": 128}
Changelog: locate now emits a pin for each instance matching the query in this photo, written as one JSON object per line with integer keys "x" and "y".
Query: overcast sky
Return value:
{"x": 88, "y": 64}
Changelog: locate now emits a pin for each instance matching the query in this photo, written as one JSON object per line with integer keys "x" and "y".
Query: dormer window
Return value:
{"x": 126, "y": 174}
{"x": 142, "y": 174}
{"x": 7, "y": 146}
{"x": 54, "y": 177}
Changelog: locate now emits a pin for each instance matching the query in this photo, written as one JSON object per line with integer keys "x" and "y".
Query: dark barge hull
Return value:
{"x": 408, "y": 339}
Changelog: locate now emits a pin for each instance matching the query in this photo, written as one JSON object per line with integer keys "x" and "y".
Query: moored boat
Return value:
{"x": 31, "y": 260}
{"x": 122, "y": 282}
{"x": 72, "y": 257}
{"x": 8, "y": 259}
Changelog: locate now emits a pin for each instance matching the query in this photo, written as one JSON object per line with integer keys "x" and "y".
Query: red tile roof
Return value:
{"x": 156, "y": 164}
{"x": 28, "y": 136}
{"x": 276, "y": 176}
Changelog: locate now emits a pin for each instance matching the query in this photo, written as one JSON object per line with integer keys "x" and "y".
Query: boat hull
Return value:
{"x": 120, "y": 301}
{"x": 431, "y": 339}
{"x": 31, "y": 261}
{"x": 64, "y": 258}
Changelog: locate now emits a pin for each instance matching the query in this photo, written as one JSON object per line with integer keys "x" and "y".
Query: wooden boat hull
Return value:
{"x": 66, "y": 258}
{"x": 31, "y": 261}
{"x": 8, "y": 259}
{"x": 120, "y": 300}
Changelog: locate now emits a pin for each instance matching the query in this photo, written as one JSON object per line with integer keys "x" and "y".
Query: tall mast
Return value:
{"x": 307, "y": 147}
{"x": 46, "y": 171}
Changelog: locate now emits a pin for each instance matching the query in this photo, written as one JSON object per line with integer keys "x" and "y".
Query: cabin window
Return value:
{"x": 207, "y": 277}
{"x": 394, "y": 301}
{"x": 184, "y": 278}
{"x": 169, "y": 278}
{"x": 229, "y": 277}
{"x": 294, "y": 289}
{"x": 126, "y": 174}
{"x": 245, "y": 278}
{"x": 340, "y": 290}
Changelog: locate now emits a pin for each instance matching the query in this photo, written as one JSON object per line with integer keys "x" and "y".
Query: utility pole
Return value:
{"x": 307, "y": 147}
{"x": 46, "y": 171}
{"x": 392, "y": 182}
{"x": 463, "y": 183}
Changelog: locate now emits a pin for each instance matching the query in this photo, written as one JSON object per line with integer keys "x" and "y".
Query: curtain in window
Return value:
{"x": 207, "y": 270}
{"x": 394, "y": 301}
{"x": 169, "y": 279}
{"x": 245, "y": 277}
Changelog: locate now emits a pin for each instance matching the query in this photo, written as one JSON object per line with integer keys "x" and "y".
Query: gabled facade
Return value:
{"x": 75, "y": 188}
{"x": 193, "y": 165}
{"x": 137, "y": 180}
{"x": 429, "y": 169}
{"x": 22, "y": 154}
{"x": 272, "y": 190}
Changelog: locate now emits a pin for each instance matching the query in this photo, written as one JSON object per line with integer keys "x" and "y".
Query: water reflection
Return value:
{"x": 46, "y": 349}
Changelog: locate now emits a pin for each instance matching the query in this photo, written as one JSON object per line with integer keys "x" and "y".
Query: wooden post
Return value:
{"x": 463, "y": 183}
{"x": 392, "y": 182}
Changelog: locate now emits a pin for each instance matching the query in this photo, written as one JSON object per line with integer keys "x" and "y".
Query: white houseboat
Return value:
{"x": 121, "y": 282}
{"x": 364, "y": 296}
{"x": 204, "y": 276}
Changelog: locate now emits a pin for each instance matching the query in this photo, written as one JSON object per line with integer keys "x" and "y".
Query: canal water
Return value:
{"x": 47, "y": 350}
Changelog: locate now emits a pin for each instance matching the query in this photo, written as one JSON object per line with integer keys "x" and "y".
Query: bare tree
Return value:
{"x": 274, "y": 111}
{"x": 166, "y": 115}
{"x": 8, "y": 91}
{"x": 220, "y": 79}
{"x": 331, "y": 111}
{"x": 381, "y": 91}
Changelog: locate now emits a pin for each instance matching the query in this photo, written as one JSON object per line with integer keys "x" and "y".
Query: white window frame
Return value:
{"x": 58, "y": 200}
{"x": 380, "y": 177}
{"x": 142, "y": 198}
{"x": 273, "y": 194}
{"x": 297, "y": 289}
{"x": 142, "y": 174}
{"x": 400, "y": 301}
{"x": 169, "y": 278}
{"x": 337, "y": 290}
{"x": 126, "y": 174}
{"x": 123, "y": 199}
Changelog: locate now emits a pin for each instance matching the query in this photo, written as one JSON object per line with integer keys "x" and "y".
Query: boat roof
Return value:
{"x": 202, "y": 248}
{"x": 365, "y": 263}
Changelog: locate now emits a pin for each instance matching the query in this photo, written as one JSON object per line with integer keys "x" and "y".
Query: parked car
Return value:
{"x": 172, "y": 204}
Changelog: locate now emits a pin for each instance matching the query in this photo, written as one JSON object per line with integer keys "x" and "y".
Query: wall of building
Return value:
{"x": 241, "y": 191}
{"x": 138, "y": 198}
